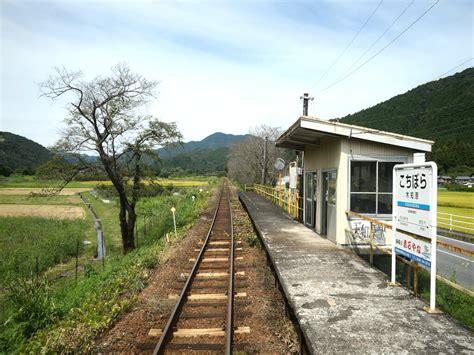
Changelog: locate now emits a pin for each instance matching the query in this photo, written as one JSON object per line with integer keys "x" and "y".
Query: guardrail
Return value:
{"x": 287, "y": 200}
{"x": 456, "y": 222}
{"x": 383, "y": 249}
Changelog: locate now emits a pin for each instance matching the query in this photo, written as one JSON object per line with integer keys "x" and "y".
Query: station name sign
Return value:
{"x": 414, "y": 221}
{"x": 414, "y": 203}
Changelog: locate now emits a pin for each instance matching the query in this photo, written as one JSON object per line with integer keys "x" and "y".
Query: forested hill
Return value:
{"x": 208, "y": 156}
{"x": 20, "y": 155}
{"x": 441, "y": 110}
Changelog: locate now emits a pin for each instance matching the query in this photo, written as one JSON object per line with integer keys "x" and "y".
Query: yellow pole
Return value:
{"x": 288, "y": 202}
{"x": 295, "y": 208}
{"x": 279, "y": 190}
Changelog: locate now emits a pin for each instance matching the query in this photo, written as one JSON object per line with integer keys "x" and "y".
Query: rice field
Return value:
{"x": 461, "y": 206}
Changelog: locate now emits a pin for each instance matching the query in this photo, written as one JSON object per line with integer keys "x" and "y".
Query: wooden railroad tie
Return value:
{"x": 208, "y": 296}
{"x": 220, "y": 242}
{"x": 212, "y": 250}
{"x": 205, "y": 275}
{"x": 213, "y": 332}
{"x": 212, "y": 260}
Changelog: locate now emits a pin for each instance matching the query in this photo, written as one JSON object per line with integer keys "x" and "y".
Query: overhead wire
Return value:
{"x": 457, "y": 66}
{"x": 412, "y": 114}
{"x": 382, "y": 49}
{"x": 453, "y": 129}
{"x": 349, "y": 44}
{"x": 378, "y": 39}
{"x": 426, "y": 130}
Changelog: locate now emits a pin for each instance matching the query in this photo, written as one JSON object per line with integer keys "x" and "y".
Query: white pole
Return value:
{"x": 174, "y": 221}
{"x": 394, "y": 226}
{"x": 434, "y": 230}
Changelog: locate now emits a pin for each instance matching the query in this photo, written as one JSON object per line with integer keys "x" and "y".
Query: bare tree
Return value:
{"x": 246, "y": 159}
{"x": 103, "y": 117}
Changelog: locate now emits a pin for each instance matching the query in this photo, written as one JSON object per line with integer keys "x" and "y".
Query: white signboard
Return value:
{"x": 415, "y": 199}
{"x": 413, "y": 249}
{"x": 413, "y": 196}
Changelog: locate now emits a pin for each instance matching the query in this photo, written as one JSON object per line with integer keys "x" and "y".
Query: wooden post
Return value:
{"x": 77, "y": 258}
{"x": 371, "y": 255}
{"x": 37, "y": 271}
{"x": 415, "y": 280}
{"x": 408, "y": 275}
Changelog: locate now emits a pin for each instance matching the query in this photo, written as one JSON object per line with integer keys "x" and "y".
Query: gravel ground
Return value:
{"x": 263, "y": 310}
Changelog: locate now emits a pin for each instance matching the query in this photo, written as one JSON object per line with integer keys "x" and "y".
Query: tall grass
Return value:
{"x": 23, "y": 239}
{"x": 73, "y": 313}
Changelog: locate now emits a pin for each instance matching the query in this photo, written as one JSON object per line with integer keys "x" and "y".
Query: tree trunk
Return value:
{"x": 127, "y": 219}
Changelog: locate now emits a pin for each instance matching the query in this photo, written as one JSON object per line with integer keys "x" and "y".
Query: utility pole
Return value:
{"x": 264, "y": 168}
{"x": 306, "y": 100}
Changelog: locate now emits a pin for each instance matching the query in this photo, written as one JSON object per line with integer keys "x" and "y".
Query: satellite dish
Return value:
{"x": 279, "y": 164}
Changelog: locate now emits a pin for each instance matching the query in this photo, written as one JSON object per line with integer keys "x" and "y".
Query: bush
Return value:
{"x": 252, "y": 240}
{"x": 34, "y": 309}
{"x": 457, "y": 187}
{"x": 146, "y": 190}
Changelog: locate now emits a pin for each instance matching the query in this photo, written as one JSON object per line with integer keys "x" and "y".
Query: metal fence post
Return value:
{"x": 450, "y": 221}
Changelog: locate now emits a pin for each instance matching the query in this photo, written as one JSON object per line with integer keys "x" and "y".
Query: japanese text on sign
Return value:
{"x": 413, "y": 249}
{"x": 413, "y": 200}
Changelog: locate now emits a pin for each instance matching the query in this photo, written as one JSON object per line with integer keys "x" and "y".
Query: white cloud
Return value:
{"x": 223, "y": 66}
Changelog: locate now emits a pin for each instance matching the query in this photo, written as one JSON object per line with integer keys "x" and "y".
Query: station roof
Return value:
{"x": 309, "y": 130}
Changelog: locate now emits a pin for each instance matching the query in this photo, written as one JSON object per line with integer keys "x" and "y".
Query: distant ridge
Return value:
{"x": 20, "y": 155}
{"x": 208, "y": 156}
{"x": 216, "y": 140}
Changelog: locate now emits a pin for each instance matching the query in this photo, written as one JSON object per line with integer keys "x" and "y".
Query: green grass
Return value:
{"x": 22, "y": 239}
{"x": 68, "y": 317}
{"x": 109, "y": 217}
{"x": 41, "y": 200}
{"x": 33, "y": 181}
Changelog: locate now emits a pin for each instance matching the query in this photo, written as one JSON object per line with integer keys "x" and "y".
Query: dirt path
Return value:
{"x": 264, "y": 312}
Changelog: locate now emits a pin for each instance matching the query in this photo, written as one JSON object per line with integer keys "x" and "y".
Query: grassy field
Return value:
{"x": 456, "y": 203}
{"x": 22, "y": 239}
{"x": 68, "y": 316}
{"x": 455, "y": 199}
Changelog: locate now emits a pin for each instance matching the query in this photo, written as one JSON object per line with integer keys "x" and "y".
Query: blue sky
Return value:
{"x": 226, "y": 65}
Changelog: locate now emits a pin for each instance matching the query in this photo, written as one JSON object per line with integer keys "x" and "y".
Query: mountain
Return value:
{"x": 441, "y": 110}
{"x": 214, "y": 141}
{"x": 208, "y": 156}
{"x": 20, "y": 155}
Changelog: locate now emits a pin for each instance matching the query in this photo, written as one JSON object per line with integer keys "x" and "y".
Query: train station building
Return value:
{"x": 347, "y": 168}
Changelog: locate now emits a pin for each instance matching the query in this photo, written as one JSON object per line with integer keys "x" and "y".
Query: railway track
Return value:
{"x": 203, "y": 317}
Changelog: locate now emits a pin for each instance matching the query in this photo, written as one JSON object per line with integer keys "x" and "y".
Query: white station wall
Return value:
{"x": 336, "y": 153}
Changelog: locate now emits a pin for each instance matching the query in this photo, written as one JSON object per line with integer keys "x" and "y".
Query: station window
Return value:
{"x": 371, "y": 187}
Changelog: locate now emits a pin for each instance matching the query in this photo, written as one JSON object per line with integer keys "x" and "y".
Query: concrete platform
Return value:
{"x": 341, "y": 303}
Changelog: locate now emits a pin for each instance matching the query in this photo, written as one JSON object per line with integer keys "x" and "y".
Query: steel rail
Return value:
{"x": 230, "y": 292}
{"x": 168, "y": 330}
